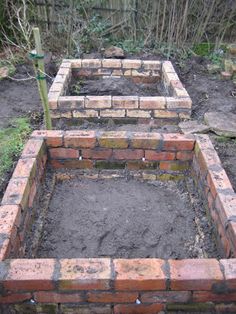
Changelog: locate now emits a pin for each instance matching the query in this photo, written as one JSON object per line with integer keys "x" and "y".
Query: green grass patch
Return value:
{"x": 12, "y": 141}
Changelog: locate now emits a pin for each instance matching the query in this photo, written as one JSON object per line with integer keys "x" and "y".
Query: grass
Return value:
{"x": 12, "y": 140}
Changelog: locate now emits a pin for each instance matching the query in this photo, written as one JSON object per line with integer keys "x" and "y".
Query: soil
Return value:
{"x": 89, "y": 218}
{"x": 116, "y": 87}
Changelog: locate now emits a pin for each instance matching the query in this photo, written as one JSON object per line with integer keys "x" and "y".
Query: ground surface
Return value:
{"x": 89, "y": 218}
{"x": 115, "y": 87}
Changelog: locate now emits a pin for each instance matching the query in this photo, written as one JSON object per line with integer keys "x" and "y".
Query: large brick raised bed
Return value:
{"x": 120, "y": 108}
{"x": 104, "y": 285}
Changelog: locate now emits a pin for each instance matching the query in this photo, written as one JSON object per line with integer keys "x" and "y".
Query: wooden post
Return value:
{"x": 41, "y": 78}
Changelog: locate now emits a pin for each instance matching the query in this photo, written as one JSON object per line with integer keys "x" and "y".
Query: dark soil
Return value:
{"x": 124, "y": 218}
{"x": 116, "y": 87}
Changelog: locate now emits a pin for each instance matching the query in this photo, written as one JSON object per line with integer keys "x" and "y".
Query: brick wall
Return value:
{"x": 122, "y": 108}
{"x": 117, "y": 285}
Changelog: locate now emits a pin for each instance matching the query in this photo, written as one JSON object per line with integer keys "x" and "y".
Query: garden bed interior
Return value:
{"x": 149, "y": 273}
{"x": 124, "y": 90}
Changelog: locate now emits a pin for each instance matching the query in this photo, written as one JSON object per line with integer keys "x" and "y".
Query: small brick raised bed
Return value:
{"x": 104, "y": 285}
{"x": 130, "y": 108}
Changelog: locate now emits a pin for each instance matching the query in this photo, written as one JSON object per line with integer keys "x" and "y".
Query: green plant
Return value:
{"x": 12, "y": 140}
{"x": 129, "y": 45}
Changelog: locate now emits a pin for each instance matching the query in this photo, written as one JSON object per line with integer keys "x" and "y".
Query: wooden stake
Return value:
{"x": 41, "y": 79}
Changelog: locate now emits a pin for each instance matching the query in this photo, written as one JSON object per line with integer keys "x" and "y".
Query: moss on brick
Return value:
{"x": 102, "y": 164}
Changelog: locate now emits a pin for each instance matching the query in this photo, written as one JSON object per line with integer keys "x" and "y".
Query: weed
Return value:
{"x": 12, "y": 140}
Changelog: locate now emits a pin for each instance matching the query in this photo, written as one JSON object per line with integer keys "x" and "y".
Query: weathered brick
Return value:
{"x": 54, "y": 138}
{"x": 180, "y": 91}
{"x": 112, "y": 297}
{"x": 174, "y": 165}
{"x": 30, "y": 275}
{"x": 178, "y": 103}
{"x": 184, "y": 155}
{"x": 33, "y": 148}
{"x": 85, "y": 274}
{"x": 53, "y": 99}
{"x": 126, "y": 154}
{"x": 107, "y": 113}
{"x": 15, "y": 298}
{"x": 149, "y": 176}
{"x": 131, "y": 63}
{"x": 165, "y": 114}
{"x": 145, "y": 140}
{"x": 25, "y": 168}
{"x": 56, "y": 297}
{"x": 207, "y": 296}
{"x": 125, "y": 102}
{"x": 71, "y": 102}
{"x": 152, "y": 102}
{"x": 76, "y": 63}
{"x": 225, "y": 205}
{"x": 229, "y": 266}
{"x": 113, "y": 139}
{"x": 225, "y": 308}
{"x": 5, "y": 246}
{"x": 86, "y": 309}
{"x": 178, "y": 142}
{"x": 154, "y": 155}
{"x": 17, "y": 192}
{"x": 217, "y": 181}
{"x": 151, "y": 65}
{"x": 136, "y": 165}
{"x": 117, "y": 73}
{"x": 167, "y": 67}
{"x": 66, "y": 114}
{"x": 111, "y": 63}
{"x": 195, "y": 274}
{"x": 166, "y": 297}
{"x": 98, "y": 153}
{"x": 141, "y": 73}
{"x": 139, "y": 274}
{"x": 138, "y": 113}
{"x": 96, "y": 102}
{"x": 80, "y": 139}
{"x": 138, "y": 309}
{"x": 85, "y": 113}
{"x": 63, "y": 153}
{"x": 91, "y": 63}
{"x": 10, "y": 216}
{"x": 72, "y": 164}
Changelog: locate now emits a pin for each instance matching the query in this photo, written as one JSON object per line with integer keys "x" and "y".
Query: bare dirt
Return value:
{"x": 116, "y": 87}
{"x": 125, "y": 218}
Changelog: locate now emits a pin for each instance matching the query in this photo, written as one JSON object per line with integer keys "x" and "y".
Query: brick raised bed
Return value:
{"x": 104, "y": 285}
{"x": 120, "y": 108}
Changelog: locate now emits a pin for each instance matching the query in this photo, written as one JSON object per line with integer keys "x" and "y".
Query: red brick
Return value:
{"x": 178, "y": 142}
{"x": 151, "y": 65}
{"x": 139, "y": 274}
{"x": 174, "y": 165}
{"x": 131, "y": 63}
{"x": 126, "y": 154}
{"x": 231, "y": 234}
{"x": 225, "y": 205}
{"x": 91, "y": 63}
{"x": 225, "y": 308}
{"x": 72, "y": 164}
{"x": 85, "y": 274}
{"x": 10, "y": 216}
{"x": 33, "y": 191}
{"x": 54, "y": 138}
{"x": 25, "y": 168}
{"x": 17, "y": 192}
{"x": 154, "y": 155}
{"x": 98, "y": 153}
{"x": 194, "y": 274}
{"x": 113, "y": 139}
{"x": 112, "y": 297}
{"x": 138, "y": 309}
{"x": 80, "y": 139}
{"x": 218, "y": 181}
{"x": 229, "y": 266}
{"x": 63, "y": 153}
{"x": 111, "y": 63}
{"x": 125, "y": 102}
{"x": 145, "y": 140}
{"x": 55, "y": 297}
{"x": 5, "y": 247}
{"x": 184, "y": 155}
{"x": 152, "y": 102}
{"x": 178, "y": 103}
{"x": 15, "y": 298}
{"x": 166, "y": 297}
{"x": 96, "y": 102}
{"x": 30, "y": 274}
{"x": 207, "y": 296}
{"x": 32, "y": 148}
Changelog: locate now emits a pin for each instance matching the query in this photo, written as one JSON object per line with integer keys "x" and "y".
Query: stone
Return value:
{"x": 4, "y": 72}
{"x": 193, "y": 126}
{"x": 221, "y": 123}
{"x": 114, "y": 52}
